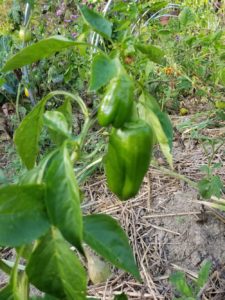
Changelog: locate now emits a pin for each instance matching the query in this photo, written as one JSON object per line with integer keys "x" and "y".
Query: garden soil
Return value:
{"x": 168, "y": 228}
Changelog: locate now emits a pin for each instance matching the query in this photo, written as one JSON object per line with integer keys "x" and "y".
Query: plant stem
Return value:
{"x": 17, "y": 102}
{"x": 14, "y": 274}
{"x": 75, "y": 97}
{"x": 175, "y": 175}
{"x": 11, "y": 264}
{"x": 95, "y": 162}
{"x": 23, "y": 286}
{"x": 87, "y": 124}
{"x": 26, "y": 78}
{"x": 27, "y": 17}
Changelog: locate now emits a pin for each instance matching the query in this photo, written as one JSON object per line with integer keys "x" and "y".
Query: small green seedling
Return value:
{"x": 191, "y": 291}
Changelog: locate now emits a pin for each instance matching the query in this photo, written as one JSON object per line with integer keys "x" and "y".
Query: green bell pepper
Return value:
{"x": 116, "y": 106}
{"x": 128, "y": 158}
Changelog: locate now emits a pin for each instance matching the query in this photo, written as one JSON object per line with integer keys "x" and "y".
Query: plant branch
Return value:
{"x": 74, "y": 97}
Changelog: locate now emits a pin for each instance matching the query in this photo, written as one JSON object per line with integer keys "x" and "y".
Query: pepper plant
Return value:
{"x": 41, "y": 216}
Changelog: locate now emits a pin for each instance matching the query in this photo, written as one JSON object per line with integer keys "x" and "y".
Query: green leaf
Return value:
{"x": 63, "y": 197}
{"x": 167, "y": 127}
{"x": 103, "y": 69}
{"x": 7, "y": 293}
{"x": 222, "y": 76}
{"x": 160, "y": 123}
{"x": 186, "y": 16}
{"x": 121, "y": 297}
{"x": 222, "y": 56}
{"x": 164, "y": 32}
{"x": 22, "y": 214}
{"x": 54, "y": 269}
{"x": 216, "y": 36}
{"x": 155, "y": 54}
{"x": 179, "y": 281}
{"x": 56, "y": 121}
{"x": 37, "y": 51}
{"x": 205, "y": 169}
{"x": 104, "y": 235}
{"x": 66, "y": 110}
{"x": 217, "y": 165}
{"x": 35, "y": 175}
{"x": 97, "y": 22}
{"x": 210, "y": 187}
{"x": 57, "y": 125}
{"x": 2, "y": 81}
{"x": 27, "y": 135}
{"x": 203, "y": 274}
{"x": 155, "y": 7}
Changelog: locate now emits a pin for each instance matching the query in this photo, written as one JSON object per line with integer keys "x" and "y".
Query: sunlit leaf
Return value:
{"x": 160, "y": 124}
{"x": 66, "y": 110}
{"x": 57, "y": 125}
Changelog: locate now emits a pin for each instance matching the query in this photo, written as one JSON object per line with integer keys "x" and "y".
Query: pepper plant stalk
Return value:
{"x": 27, "y": 18}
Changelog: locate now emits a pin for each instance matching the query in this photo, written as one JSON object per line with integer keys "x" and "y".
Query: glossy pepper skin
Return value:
{"x": 128, "y": 157}
{"x": 116, "y": 106}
